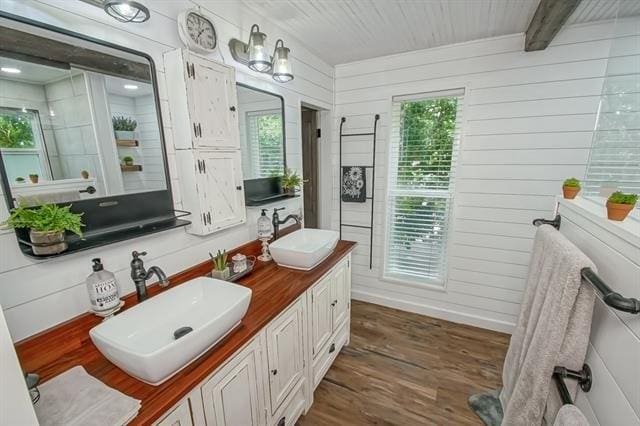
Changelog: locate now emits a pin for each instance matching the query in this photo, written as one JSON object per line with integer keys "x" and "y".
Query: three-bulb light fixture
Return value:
{"x": 255, "y": 55}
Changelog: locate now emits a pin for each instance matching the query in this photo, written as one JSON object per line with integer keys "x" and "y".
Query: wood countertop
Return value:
{"x": 66, "y": 345}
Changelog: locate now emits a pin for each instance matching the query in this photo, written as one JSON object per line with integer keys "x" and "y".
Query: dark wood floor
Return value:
{"x": 407, "y": 369}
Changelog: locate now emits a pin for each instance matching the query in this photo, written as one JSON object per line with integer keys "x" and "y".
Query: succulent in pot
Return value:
{"x": 33, "y": 178}
{"x": 128, "y": 160}
{"x": 619, "y": 205}
{"x": 84, "y": 174}
{"x": 291, "y": 181}
{"x": 47, "y": 226}
{"x": 19, "y": 179}
{"x": 570, "y": 188}
{"x": 220, "y": 266}
{"x": 124, "y": 127}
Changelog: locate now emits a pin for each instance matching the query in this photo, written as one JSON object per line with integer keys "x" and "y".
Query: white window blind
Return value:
{"x": 425, "y": 131}
{"x": 264, "y": 130}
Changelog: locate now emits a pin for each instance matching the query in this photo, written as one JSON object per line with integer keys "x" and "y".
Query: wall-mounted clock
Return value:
{"x": 197, "y": 31}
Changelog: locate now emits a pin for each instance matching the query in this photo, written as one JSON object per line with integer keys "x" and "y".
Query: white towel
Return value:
{"x": 570, "y": 415}
{"x": 76, "y": 398}
{"x": 553, "y": 329}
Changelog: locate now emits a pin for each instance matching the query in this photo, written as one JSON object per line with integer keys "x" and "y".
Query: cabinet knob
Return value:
{"x": 335, "y": 302}
{"x": 232, "y": 108}
{"x": 332, "y": 348}
{"x": 274, "y": 371}
{"x": 239, "y": 188}
{"x": 281, "y": 422}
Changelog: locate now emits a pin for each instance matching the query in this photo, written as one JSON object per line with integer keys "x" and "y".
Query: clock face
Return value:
{"x": 201, "y": 31}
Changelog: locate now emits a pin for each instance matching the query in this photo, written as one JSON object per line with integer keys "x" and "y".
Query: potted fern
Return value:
{"x": 571, "y": 188}
{"x": 124, "y": 127}
{"x": 127, "y": 160}
{"x": 220, "y": 266}
{"x": 290, "y": 181}
{"x": 47, "y": 226}
{"x": 619, "y": 205}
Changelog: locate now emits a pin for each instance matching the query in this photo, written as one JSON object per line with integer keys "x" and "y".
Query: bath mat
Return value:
{"x": 487, "y": 406}
{"x": 354, "y": 187}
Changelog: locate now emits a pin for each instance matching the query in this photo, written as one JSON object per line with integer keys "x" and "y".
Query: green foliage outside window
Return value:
{"x": 16, "y": 131}
{"x": 270, "y": 145}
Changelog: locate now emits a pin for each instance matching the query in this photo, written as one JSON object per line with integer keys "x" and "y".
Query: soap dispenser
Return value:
{"x": 264, "y": 235}
{"x": 102, "y": 288}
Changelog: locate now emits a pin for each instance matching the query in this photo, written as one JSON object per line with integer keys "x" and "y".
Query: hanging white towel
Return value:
{"x": 552, "y": 329}
{"x": 570, "y": 415}
{"x": 74, "y": 398}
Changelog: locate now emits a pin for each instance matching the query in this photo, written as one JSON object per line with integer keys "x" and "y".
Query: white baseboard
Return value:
{"x": 433, "y": 311}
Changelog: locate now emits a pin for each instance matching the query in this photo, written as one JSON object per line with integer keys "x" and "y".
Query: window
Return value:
{"x": 21, "y": 143}
{"x": 265, "y": 142}
{"x": 423, "y": 149}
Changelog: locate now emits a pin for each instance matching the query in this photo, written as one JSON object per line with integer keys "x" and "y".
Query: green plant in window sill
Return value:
{"x": 127, "y": 160}
{"x": 34, "y": 178}
{"x": 15, "y": 132}
{"x": 19, "y": 179}
{"x": 291, "y": 181}
{"x": 570, "y": 188}
{"x": 619, "y": 205}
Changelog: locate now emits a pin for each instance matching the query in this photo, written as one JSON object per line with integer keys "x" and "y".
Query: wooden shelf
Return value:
{"x": 133, "y": 168}
{"x": 132, "y": 143}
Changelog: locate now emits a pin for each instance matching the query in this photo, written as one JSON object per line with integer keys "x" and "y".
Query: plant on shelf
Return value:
{"x": 19, "y": 179}
{"x": 34, "y": 178}
{"x": 291, "y": 181}
{"x": 619, "y": 205}
{"x": 124, "y": 127}
{"x": 570, "y": 188}
{"x": 47, "y": 225}
{"x": 84, "y": 174}
{"x": 127, "y": 160}
{"x": 220, "y": 267}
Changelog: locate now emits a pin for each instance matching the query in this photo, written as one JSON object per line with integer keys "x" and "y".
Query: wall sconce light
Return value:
{"x": 254, "y": 55}
{"x": 127, "y": 10}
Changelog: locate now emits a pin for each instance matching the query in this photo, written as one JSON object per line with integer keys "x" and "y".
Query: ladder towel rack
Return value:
{"x": 610, "y": 297}
{"x": 373, "y": 182}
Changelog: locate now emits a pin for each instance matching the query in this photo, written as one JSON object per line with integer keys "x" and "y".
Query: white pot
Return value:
{"x": 125, "y": 135}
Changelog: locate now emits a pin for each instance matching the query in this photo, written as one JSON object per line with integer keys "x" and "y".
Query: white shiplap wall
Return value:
{"x": 614, "y": 348}
{"x": 38, "y": 294}
{"x": 527, "y": 125}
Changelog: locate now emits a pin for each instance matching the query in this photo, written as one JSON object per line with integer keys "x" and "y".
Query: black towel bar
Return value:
{"x": 583, "y": 377}
{"x": 610, "y": 297}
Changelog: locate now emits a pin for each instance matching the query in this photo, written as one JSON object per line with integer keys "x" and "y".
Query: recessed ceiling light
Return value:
{"x": 131, "y": 87}
{"x": 10, "y": 70}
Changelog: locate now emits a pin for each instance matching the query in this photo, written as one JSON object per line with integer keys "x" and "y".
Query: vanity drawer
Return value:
{"x": 179, "y": 416}
{"x": 292, "y": 408}
{"x": 329, "y": 352}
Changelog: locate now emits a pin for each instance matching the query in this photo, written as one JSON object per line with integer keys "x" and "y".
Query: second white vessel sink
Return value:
{"x": 157, "y": 338}
{"x": 305, "y": 248}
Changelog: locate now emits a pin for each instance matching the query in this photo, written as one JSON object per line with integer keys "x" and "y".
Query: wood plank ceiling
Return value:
{"x": 341, "y": 31}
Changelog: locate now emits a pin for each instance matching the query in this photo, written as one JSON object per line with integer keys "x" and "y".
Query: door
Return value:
{"x": 232, "y": 397}
{"x": 310, "y": 166}
{"x": 220, "y": 188}
{"x": 284, "y": 354}
{"x": 322, "y": 322}
{"x": 212, "y": 104}
{"x": 341, "y": 293}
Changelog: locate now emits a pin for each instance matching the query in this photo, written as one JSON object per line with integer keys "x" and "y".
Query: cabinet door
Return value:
{"x": 233, "y": 396}
{"x": 284, "y": 353}
{"x": 212, "y": 104}
{"x": 341, "y": 293}
{"x": 180, "y": 416}
{"x": 220, "y": 189}
{"x": 322, "y": 322}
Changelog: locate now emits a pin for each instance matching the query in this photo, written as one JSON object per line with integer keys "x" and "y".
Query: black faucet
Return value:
{"x": 140, "y": 275}
{"x": 275, "y": 220}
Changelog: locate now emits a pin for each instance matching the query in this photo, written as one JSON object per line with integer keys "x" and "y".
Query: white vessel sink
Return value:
{"x": 141, "y": 340}
{"x": 304, "y": 249}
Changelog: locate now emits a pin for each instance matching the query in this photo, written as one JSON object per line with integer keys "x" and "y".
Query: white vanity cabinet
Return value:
{"x": 270, "y": 380}
{"x": 204, "y": 117}
{"x": 203, "y": 102}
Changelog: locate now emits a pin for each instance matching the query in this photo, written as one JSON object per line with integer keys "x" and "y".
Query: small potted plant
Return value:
{"x": 127, "y": 160}
{"x": 33, "y": 178}
{"x": 84, "y": 174}
{"x": 19, "y": 179}
{"x": 291, "y": 181}
{"x": 570, "y": 188}
{"x": 47, "y": 225}
{"x": 220, "y": 266}
{"x": 124, "y": 127}
{"x": 619, "y": 205}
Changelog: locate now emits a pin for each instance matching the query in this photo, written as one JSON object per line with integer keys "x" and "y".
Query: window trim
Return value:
{"x": 440, "y": 286}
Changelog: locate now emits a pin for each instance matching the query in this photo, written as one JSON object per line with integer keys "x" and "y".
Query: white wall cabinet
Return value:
{"x": 267, "y": 382}
{"x": 207, "y": 141}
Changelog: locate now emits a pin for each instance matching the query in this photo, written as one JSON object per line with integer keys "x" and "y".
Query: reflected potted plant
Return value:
{"x": 128, "y": 160}
{"x": 124, "y": 127}
{"x": 291, "y": 181}
{"x": 34, "y": 178}
{"x": 47, "y": 226}
{"x": 84, "y": 174}
{"x": 220, "y": 266}
{"x": 19, "y": 179}
{"x": 619, "y": 205}
{"x": 570, "y": 188}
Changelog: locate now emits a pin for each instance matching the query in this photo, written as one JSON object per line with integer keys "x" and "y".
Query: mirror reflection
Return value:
{"x": 261, "y": 120}
{"x": 68, "y": 133}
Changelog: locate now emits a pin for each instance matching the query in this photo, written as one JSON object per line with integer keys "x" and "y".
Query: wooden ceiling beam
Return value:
{"x": 547, "y": 21}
